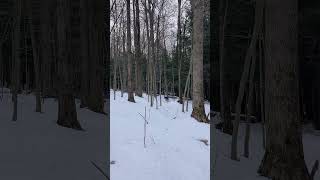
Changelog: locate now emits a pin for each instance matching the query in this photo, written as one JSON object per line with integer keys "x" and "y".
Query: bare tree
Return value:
{"x": 198, "y": 111}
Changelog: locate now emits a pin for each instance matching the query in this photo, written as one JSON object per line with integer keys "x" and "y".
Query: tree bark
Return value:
{"x": 129, "y": 55}
{"x": 138, "y": 49}
{"x": 67, "y": 114}
{"x": 284, "y": 157}
{"x": 198, "y": 111}
{"x": 178, "y": 51}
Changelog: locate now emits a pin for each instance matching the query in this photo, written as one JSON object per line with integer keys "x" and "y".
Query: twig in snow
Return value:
{"x": 112, "y": 162}
{"x": 144, "y": 118}
{"x": 152, "y": 140}
{"x": 175, "y": 115}
{"x": 102, "y": 172}
{"x": 205, "y": 141}
{"x": 145, "y": 125}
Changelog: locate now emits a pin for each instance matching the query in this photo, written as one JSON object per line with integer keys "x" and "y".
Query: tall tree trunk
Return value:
{"x": 44, "y": 47}
{"x": 186, "y": 87}
{"x": 35, "y": 53}
{"x": 178, "y": 51}
{"x": 16, "y": 57}
{"x": 67, "y": 114}
{"x": 245, "y": 74}
{"x": 261, "y": 76}
{"x": 165, "y": 63}
{"x": 84, "y": 51}
{"x": 129, "y": 55}
{"x": 198, "y": 111}
{"x": 249, "y": 104}
{"x": 151, "y": 10}
{"x": 224, "y": 74}
{"x": 123, "y": 86}
{"x": 284, "y": 157}
{"x": 96, "y": 29}
{"x": 138, "y": 49}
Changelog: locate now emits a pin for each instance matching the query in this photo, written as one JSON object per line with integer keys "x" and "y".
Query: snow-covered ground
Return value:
{"x": 173, "y": 147}
{"x": 36, "y": 148}
{"x": 246, "y": 168}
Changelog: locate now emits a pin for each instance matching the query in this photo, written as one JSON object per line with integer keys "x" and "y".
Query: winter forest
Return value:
{"x": 53, "y": 84}
{"x": 159, "y": 80}
{"x": 159, "y": 89}
{"x": 265, "y": 89}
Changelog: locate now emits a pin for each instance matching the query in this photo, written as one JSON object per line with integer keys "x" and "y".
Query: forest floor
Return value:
{"x": 246, "y": 168}
{"x": 36, "y": 148}
{"x": 173, "y": 151}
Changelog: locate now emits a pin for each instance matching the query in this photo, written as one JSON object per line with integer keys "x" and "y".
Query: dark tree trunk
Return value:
{"x": 67, "y": 115}
{"x": 92, "y": 54}
{"x": 35, "y": 55}
{"x": 284, "y": 157}
{"x": 16, "y": 57}
{"x": 225, "y": 88}
{"x": 45, "y": 47}
{"x": 138, "y": 49}
{"x": 84, "y": 51}
{"x": 129, "y": 55}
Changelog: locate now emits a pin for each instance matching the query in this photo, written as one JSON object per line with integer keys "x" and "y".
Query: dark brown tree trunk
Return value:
{"x": 67, "y": 114}
{"x": 96, "y": 36}
{"x": 152, "y": 53}
{"x": 84, "y": 51}
{"x": 129, "y": 55}
{"x": 178, "y": 51}
{"x": 245, "y": 74}
{"x": 45, "y": 48}
{"x": 35, "y": 54}
{"x": 16, "y": 57}
{"x": 138, "y": 49}
{"x": 225, "y": 88}
{"x": 284, "y": 157}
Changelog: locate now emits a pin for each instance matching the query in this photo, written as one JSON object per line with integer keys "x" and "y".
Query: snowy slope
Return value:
{"x": 173, "y": 150}
{"x": 36, "y": 148}
{"x": 247, "y": 168}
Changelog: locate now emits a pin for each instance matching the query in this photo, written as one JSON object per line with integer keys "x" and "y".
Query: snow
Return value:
{"x": 173, "y": 150}
{"x": 247, "y": 168}
{"x": 36, "y": 148}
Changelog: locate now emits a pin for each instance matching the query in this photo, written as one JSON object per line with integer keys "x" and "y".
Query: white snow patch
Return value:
{"x": 36, "y": 148}
{"x": 173, "y": 150}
